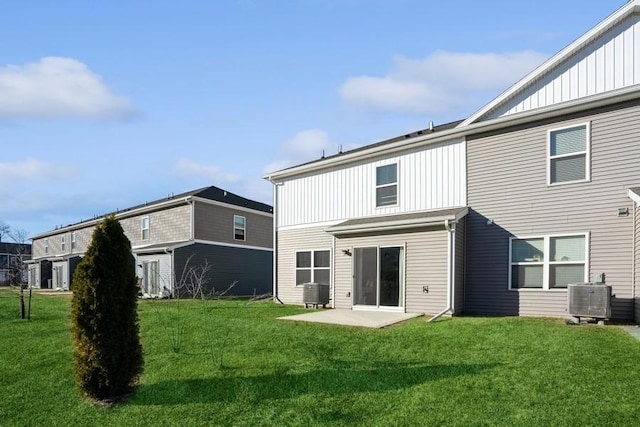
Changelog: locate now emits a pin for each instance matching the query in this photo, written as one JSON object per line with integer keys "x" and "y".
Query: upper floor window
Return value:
{"x": 387, "y": 185}
{"x": 239, "y": 227}
{"x": 569, "y": 154}
{"x": 313, "y": 266}
{"x": 548, "y": 262}
{"x": 73, "y": 240}
{"x": 46, "y": 246}
{"x": 144, "y": 226}
{"x": 62, "y": 242}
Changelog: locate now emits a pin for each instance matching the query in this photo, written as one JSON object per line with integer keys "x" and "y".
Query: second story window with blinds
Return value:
{"x": 387, "y": 185}
{"x": 569, "y": 154}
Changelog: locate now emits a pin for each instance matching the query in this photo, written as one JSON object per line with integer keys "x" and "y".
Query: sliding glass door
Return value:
{"x": 378, "y": 276}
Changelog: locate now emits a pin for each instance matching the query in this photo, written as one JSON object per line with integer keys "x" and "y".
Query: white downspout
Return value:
{"x": 451, "y": 270}
{"x": 633, "y": 261}
{"x": 275, "y": 239}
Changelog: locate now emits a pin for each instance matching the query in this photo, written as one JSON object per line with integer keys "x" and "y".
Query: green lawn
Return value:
{"x": 461, "y": 371}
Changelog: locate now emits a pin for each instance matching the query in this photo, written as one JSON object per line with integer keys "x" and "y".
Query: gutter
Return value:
{"x": 451, "y": 264}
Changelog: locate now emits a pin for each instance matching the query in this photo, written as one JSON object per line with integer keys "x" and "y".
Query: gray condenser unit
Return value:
{"x": 590, "y": 300}
{"x": 315, "y": 294}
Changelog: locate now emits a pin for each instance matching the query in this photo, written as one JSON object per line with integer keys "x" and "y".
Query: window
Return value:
{"x": 239, "y": 227}
{"x": 549, "y": 262}
{"x": 569, "y": 154}
{"x": 313, "y": 267}
{"x": 387, "y": 185}
{"x": 46, "y": 246}
{"x": 73, "y": 240}
{"x": 62, "y": 242}
{"x": 144, "y": 225}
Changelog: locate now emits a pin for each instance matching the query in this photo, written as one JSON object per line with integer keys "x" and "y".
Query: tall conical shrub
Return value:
{"x": 107, "y": 350}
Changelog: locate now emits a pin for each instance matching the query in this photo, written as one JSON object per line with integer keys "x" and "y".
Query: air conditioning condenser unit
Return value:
{"x": 315, "y": 294}
{"x": 589, "y": 300}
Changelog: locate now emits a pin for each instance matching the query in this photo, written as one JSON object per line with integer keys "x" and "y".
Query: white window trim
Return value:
{"x": 547, "y": 262}
{"x": 244, "y": 228}
{"x": 142, "y": 229}
{"x": 73, "y": 240}
{"x": 46, "y": 246}
{"x": 63, "y": 242}
{"x": 397, "y": 184}
{"x": 312, "y": 267}
{"x": 587, "y": 153}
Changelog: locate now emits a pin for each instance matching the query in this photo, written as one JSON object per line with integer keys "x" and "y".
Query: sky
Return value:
{"x": 107, "y": 105}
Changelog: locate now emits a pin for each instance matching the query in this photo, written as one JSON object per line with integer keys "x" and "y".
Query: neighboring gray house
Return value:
{"x": 494, "y": 214}
{"x": 13, "y": 257}
{"x": 229, "y": 232}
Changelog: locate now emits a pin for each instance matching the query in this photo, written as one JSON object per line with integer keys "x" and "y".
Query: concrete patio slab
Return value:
{"x": 366, "y": 319}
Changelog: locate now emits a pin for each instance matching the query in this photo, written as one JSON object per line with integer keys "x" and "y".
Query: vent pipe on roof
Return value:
{"x": 431, "y": 126}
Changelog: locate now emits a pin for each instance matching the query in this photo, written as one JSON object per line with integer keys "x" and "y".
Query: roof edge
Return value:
{"x": 599, "y": 29}
{"x": 567, "y": 107}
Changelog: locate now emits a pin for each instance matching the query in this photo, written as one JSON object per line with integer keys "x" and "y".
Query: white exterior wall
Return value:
{"x": 609, "y": 63}
{"x": 165, "y": 279}
{"x": 431, "y": 177}
{"x": 66, "y": 280}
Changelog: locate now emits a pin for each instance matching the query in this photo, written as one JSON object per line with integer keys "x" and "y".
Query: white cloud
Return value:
{"x": 308, "y": 143}
{"x": 210, "y": 173}
{"x": 305, "y": 146}
{"x": 441, "y": 82}
{"x": 30, "y": 169}
{"x": 57, "y": 87}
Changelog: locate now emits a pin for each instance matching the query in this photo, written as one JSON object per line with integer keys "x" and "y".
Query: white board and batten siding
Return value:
{"x": 608, "y": 63}
{"x": 165, "y": 271}
{"x": 431, "y": 177}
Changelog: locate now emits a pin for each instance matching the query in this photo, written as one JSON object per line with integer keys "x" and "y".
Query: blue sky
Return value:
{"x": 106, "y": 105}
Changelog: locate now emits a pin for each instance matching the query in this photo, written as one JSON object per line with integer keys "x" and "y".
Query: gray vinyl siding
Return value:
{"x": 167, "y": 225}
{"x": 37, "y": 248}
{"x": 251, "y": 268}
{"x": 507, "y": 183}
{"x": 215, "y": 223}
{"x": 83, "y": 238}
{"x": 458, "y": 304}
{"x": 425, "y": 265}
{"x": 290, "y": 241}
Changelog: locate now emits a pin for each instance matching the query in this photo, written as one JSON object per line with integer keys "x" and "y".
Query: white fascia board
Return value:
{"x": 635, "y": 197}
{"x": 568, "y": 107}
{"x": 597, "y": 31}
{"x": 233, "y": 245}
{"x": 232, "y": 206}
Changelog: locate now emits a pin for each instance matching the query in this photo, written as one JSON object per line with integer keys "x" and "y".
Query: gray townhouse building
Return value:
{"x": 495, "y": 214}
{"x": 13, "y": 257}
{"x": 208, "y": 226}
